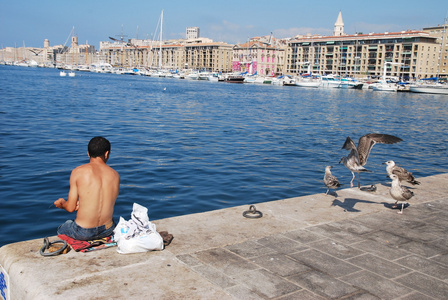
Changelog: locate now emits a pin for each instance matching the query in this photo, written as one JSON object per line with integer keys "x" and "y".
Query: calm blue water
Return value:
{"x": 197, "y": 146}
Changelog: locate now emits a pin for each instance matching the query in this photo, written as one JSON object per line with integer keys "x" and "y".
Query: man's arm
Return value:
{"x": 72, "y": 202}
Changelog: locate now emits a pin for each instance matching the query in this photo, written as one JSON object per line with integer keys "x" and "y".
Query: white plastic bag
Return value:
{"x": 138, "y": 234}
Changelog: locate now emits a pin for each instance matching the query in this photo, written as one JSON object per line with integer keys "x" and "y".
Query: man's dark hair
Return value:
{"x": 98, "y": 146}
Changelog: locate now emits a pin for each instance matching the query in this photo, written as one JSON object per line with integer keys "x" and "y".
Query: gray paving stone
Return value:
{"x": 423, "y": 249}
{"x": 426, "y": 266}
{"x": 387, "y": 238}
{"x": 301, "y": 295}
{"x": 440, "y": 220}
{"x": 399, "y": 222}
{"x": 215, "y": 276}
{"x": 425, "y": 284}
{"x": 324, "y": 262}
{"x": 376, "y": 285}
{"x": 250, "y": 249}
{"x": 335, "y": 233}
{"x": 323, "y": 284}
{"x": 376, "y": 221}
{"x": 442, "y": 259}
{"x": 280, "y": 264}
{"x": 353, "y": 227}
{"x": 379, "y": 266}
{"x": 381, "y": 250}
{"x": 420, "y": 234}
{"x": 189, "y": 260}
{"x": 282, "y": 244}
{"x": 335, "y": 248}
{"x": 423, "y": 210}
{"x": 437, "y": 204}
{"x": 362, "y": 296}
{"x": 416, "y": 296}
{"x": 242, "y": 292}
{"x": 224, "y": 260}
{"x": 266, "y": 284}
{"x": 303, "y": 236}
{"x": 441, "y": 243}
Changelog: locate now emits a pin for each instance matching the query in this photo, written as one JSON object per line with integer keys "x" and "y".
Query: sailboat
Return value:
{"x": 383, "y": 85}
{"x": 308, "y": 81}
{"x": 160, "y": 72}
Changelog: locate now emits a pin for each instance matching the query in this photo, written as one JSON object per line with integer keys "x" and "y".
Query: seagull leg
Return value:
{"x": 395, "y": 204}
{"x": 401, "y": 211}
{"x": 353, "y": 178}
{"x": 327, "y": 191}
{"x": 359, "y": 180}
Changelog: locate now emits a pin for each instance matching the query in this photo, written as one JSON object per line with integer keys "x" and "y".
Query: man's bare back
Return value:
{"x": 94, "y": 188}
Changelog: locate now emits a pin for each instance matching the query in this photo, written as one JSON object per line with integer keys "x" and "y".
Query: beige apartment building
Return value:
{"x": 441, "y": 33}
{"x": 201, "y": 54}
{"x": 405, "y": 54}
{"x": 409, "y": 55}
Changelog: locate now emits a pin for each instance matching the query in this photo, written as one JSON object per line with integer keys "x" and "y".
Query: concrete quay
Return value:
{"x": 353, "y": 246}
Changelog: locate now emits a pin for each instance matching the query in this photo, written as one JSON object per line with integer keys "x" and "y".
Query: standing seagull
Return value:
{"x": 398, "y": 192}
{"x": 330, "y": 180}
{"x": 358, "y": 156}
{"x": 402, "y": 173}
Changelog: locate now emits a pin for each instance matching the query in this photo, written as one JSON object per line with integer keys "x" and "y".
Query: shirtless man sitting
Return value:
{"x": 94, "y": 188}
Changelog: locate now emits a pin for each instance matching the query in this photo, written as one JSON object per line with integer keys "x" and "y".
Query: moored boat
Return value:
{"x": 349, "y": 83}
{"x": 330, "y": 81}
{"x": 309, "y": 82}
{"x": 385, "y": 87}
{"x": 429, "y": 88}
{"x": 235, "y": 78}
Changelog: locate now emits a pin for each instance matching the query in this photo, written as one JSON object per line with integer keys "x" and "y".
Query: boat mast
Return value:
{"x": 160, "y": 46}
{"x": 441, "y": 50}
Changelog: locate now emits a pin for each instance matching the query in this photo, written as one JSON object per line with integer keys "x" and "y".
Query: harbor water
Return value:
{"x": 184, "y": 146}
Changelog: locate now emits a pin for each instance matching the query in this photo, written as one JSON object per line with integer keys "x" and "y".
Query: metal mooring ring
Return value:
{"x": 252, "y": 213}
{"x": 47, "y": 245}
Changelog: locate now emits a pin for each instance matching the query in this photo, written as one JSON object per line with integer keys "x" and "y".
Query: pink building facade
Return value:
{"x": 256, "y": 57}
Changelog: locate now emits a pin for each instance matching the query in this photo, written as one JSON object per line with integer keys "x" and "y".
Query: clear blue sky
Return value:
{"x": 29, "y": 22}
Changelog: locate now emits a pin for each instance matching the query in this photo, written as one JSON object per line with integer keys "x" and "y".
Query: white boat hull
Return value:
{"x": 429, "y": 89}
{"x": 384, "y": 87}
{"x": 310, "y": 84}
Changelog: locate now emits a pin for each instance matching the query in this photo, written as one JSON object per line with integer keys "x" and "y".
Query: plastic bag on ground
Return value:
{"x": 138, "y": 234}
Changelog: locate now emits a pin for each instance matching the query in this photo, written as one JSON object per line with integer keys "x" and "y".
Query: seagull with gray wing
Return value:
{"x": 330, "y": 180}
{"x": 358, "y": 156}
{"x": 402, "y": 173}
{"x": 399, "y": 193}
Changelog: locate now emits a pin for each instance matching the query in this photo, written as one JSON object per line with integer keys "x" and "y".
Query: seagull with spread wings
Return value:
{"x": 358, "y": 156}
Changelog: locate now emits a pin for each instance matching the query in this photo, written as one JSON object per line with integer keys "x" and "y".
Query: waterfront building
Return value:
{"x": 260, "y": 55}
{"x": 410, "y": 54}
{"x": 441, "y": 33}
{"x": 192, "y": 33}
{"x": 214, "y": 57}
{"x": 70, "y": 57}
{"x": 407, "y": 54}
{"x": 198, "y": 54}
